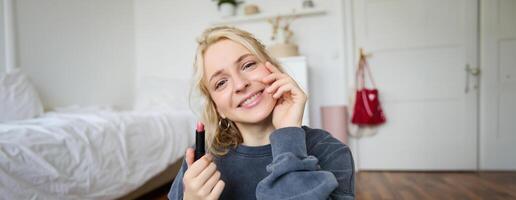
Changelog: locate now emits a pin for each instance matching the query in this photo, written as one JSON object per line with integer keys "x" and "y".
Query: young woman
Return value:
{"x": 257, "y": 146}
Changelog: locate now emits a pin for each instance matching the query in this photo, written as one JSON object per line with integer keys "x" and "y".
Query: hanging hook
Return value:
{"x": 363, "y": 55}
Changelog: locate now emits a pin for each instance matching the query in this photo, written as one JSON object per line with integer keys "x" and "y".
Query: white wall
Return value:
{"x": 165, "y": 43}
{"x": 91, "y": 52}
{"x": 78, "y": 52}
{"x": 165, "y": 33}
{"x": 2, "y": 39}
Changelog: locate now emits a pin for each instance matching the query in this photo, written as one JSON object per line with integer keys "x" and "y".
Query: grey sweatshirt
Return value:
{"x": 300, "y": 163}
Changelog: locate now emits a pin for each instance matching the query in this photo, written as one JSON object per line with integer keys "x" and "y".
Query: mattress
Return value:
{"x": 95, "y": 155}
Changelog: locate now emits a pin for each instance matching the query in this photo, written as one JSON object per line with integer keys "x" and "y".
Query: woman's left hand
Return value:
{"x": 290, "y": 97}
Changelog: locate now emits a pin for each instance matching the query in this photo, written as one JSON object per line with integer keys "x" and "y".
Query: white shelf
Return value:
{"x": 265, "y": 16}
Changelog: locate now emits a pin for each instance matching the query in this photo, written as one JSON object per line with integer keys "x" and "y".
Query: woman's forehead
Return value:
{"x": 221, "y": 55}
{"x": 223, "y": 52}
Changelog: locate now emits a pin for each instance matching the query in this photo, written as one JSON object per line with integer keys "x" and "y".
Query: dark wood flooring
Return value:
{"x": 421, "y": 186}
{"x": 436, "y": 185}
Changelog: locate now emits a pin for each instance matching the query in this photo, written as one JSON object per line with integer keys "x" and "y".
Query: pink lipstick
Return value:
{"x": 199, "y": 141}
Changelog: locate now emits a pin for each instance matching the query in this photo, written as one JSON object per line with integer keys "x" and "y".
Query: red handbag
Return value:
{"x": 367, "y": 109}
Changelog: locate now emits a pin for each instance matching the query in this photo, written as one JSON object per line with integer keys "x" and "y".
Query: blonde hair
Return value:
{"x": 220, "y": 139}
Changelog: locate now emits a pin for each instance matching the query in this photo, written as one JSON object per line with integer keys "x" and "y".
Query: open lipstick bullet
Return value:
{"x": 199, "y": 141}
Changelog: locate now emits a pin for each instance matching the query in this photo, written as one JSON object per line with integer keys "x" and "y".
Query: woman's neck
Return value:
{"x": 256, "y": 134}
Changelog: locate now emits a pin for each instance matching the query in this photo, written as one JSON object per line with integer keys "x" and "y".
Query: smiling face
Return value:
{"x": 233, "y": 78}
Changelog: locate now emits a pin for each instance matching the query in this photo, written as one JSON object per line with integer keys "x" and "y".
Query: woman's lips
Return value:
{"x": 256, "y": 100}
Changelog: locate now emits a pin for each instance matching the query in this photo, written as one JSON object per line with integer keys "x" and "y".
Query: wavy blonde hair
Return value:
{"x": 220, "y": 139}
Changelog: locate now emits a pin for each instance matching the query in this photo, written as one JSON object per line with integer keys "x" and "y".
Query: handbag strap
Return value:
{"x": 363, "y": 65}
{"x": 366, "y": 103}
{"x": 360, "y": 81}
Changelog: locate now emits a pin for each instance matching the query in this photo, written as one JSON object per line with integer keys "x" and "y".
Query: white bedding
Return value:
{"x": 96, "y": 155}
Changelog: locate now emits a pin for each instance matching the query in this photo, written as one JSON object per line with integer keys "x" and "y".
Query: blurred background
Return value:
{"x": 445, "y": 72}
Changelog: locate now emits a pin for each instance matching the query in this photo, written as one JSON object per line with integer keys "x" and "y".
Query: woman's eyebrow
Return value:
{"x": 218, "y": 72}
{"x": 242, "y": 57}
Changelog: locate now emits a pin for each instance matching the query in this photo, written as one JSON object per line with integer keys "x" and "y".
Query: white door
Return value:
{"x": 498, "y": 96}
{"x": 420, "y": 50}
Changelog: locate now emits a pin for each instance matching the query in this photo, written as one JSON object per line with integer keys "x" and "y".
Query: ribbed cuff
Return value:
{"x": 288, "y": 139}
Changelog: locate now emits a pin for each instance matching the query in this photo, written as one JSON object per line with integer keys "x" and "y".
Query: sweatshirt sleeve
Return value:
{"x": 294, "y": 174}
{"x": 176, "y": 190}
{"x": 335, "y": 157}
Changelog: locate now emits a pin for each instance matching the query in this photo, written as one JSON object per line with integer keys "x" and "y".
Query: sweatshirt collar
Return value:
{"x": 264, "y": 150}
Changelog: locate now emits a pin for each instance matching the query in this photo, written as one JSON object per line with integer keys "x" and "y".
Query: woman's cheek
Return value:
{"x": 222, "y": 100}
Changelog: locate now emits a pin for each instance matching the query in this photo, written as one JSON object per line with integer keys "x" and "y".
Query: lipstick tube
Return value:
{"x": 199, "y": 141}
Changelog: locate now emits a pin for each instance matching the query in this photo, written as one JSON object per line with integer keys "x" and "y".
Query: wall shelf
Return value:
{"x": 265, "y": 16}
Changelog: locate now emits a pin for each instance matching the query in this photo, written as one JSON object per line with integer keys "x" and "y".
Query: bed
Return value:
{"x": 97, "y": 155}
{"x": 85, "y": 152}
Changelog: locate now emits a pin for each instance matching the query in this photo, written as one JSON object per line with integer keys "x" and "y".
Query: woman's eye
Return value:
{"x": 220, "y": 83}
{"x": 248, "y": 65}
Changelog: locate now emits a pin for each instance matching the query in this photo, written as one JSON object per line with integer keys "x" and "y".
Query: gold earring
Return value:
{"x": 226, "y": 126}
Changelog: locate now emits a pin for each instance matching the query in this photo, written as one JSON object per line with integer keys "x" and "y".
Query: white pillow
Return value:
{"x": 18, "y": 98}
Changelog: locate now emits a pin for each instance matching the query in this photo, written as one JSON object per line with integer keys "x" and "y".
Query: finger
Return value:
{"x": 217, "y": 190}
{"x": 273, "y": 77}
{"x": 296, "y": 93}
{"x": 198, "y": 166}
{"x": 189, "y": 156}
{"x": 271, "y": 67}
{"x": 206, "y": 173}
{"x": 208, "y": 186}
{"x": 283, "y": 89}
{"x": 274, "y": 86}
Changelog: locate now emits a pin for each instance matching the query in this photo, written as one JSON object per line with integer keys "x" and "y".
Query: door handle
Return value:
{"x": 471, "y": 72}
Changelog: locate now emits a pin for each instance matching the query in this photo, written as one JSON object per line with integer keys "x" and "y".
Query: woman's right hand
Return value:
{"x": 202, "y": 179}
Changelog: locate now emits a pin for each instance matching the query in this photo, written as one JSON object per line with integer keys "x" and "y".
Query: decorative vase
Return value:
{"x": 227, "y": 10}
{"x": 251, "y": 9}
{"x": 281, "y": 50}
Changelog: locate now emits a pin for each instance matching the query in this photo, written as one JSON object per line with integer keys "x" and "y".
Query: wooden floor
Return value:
{"x": 436, "y": 185}
{"x": 422, "y": 185}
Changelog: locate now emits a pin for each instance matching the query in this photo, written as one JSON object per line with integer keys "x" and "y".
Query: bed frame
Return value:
{"x": 155, "y": 182}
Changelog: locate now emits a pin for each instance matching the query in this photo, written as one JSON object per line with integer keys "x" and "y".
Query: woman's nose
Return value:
{"x": 241, "y": 83}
